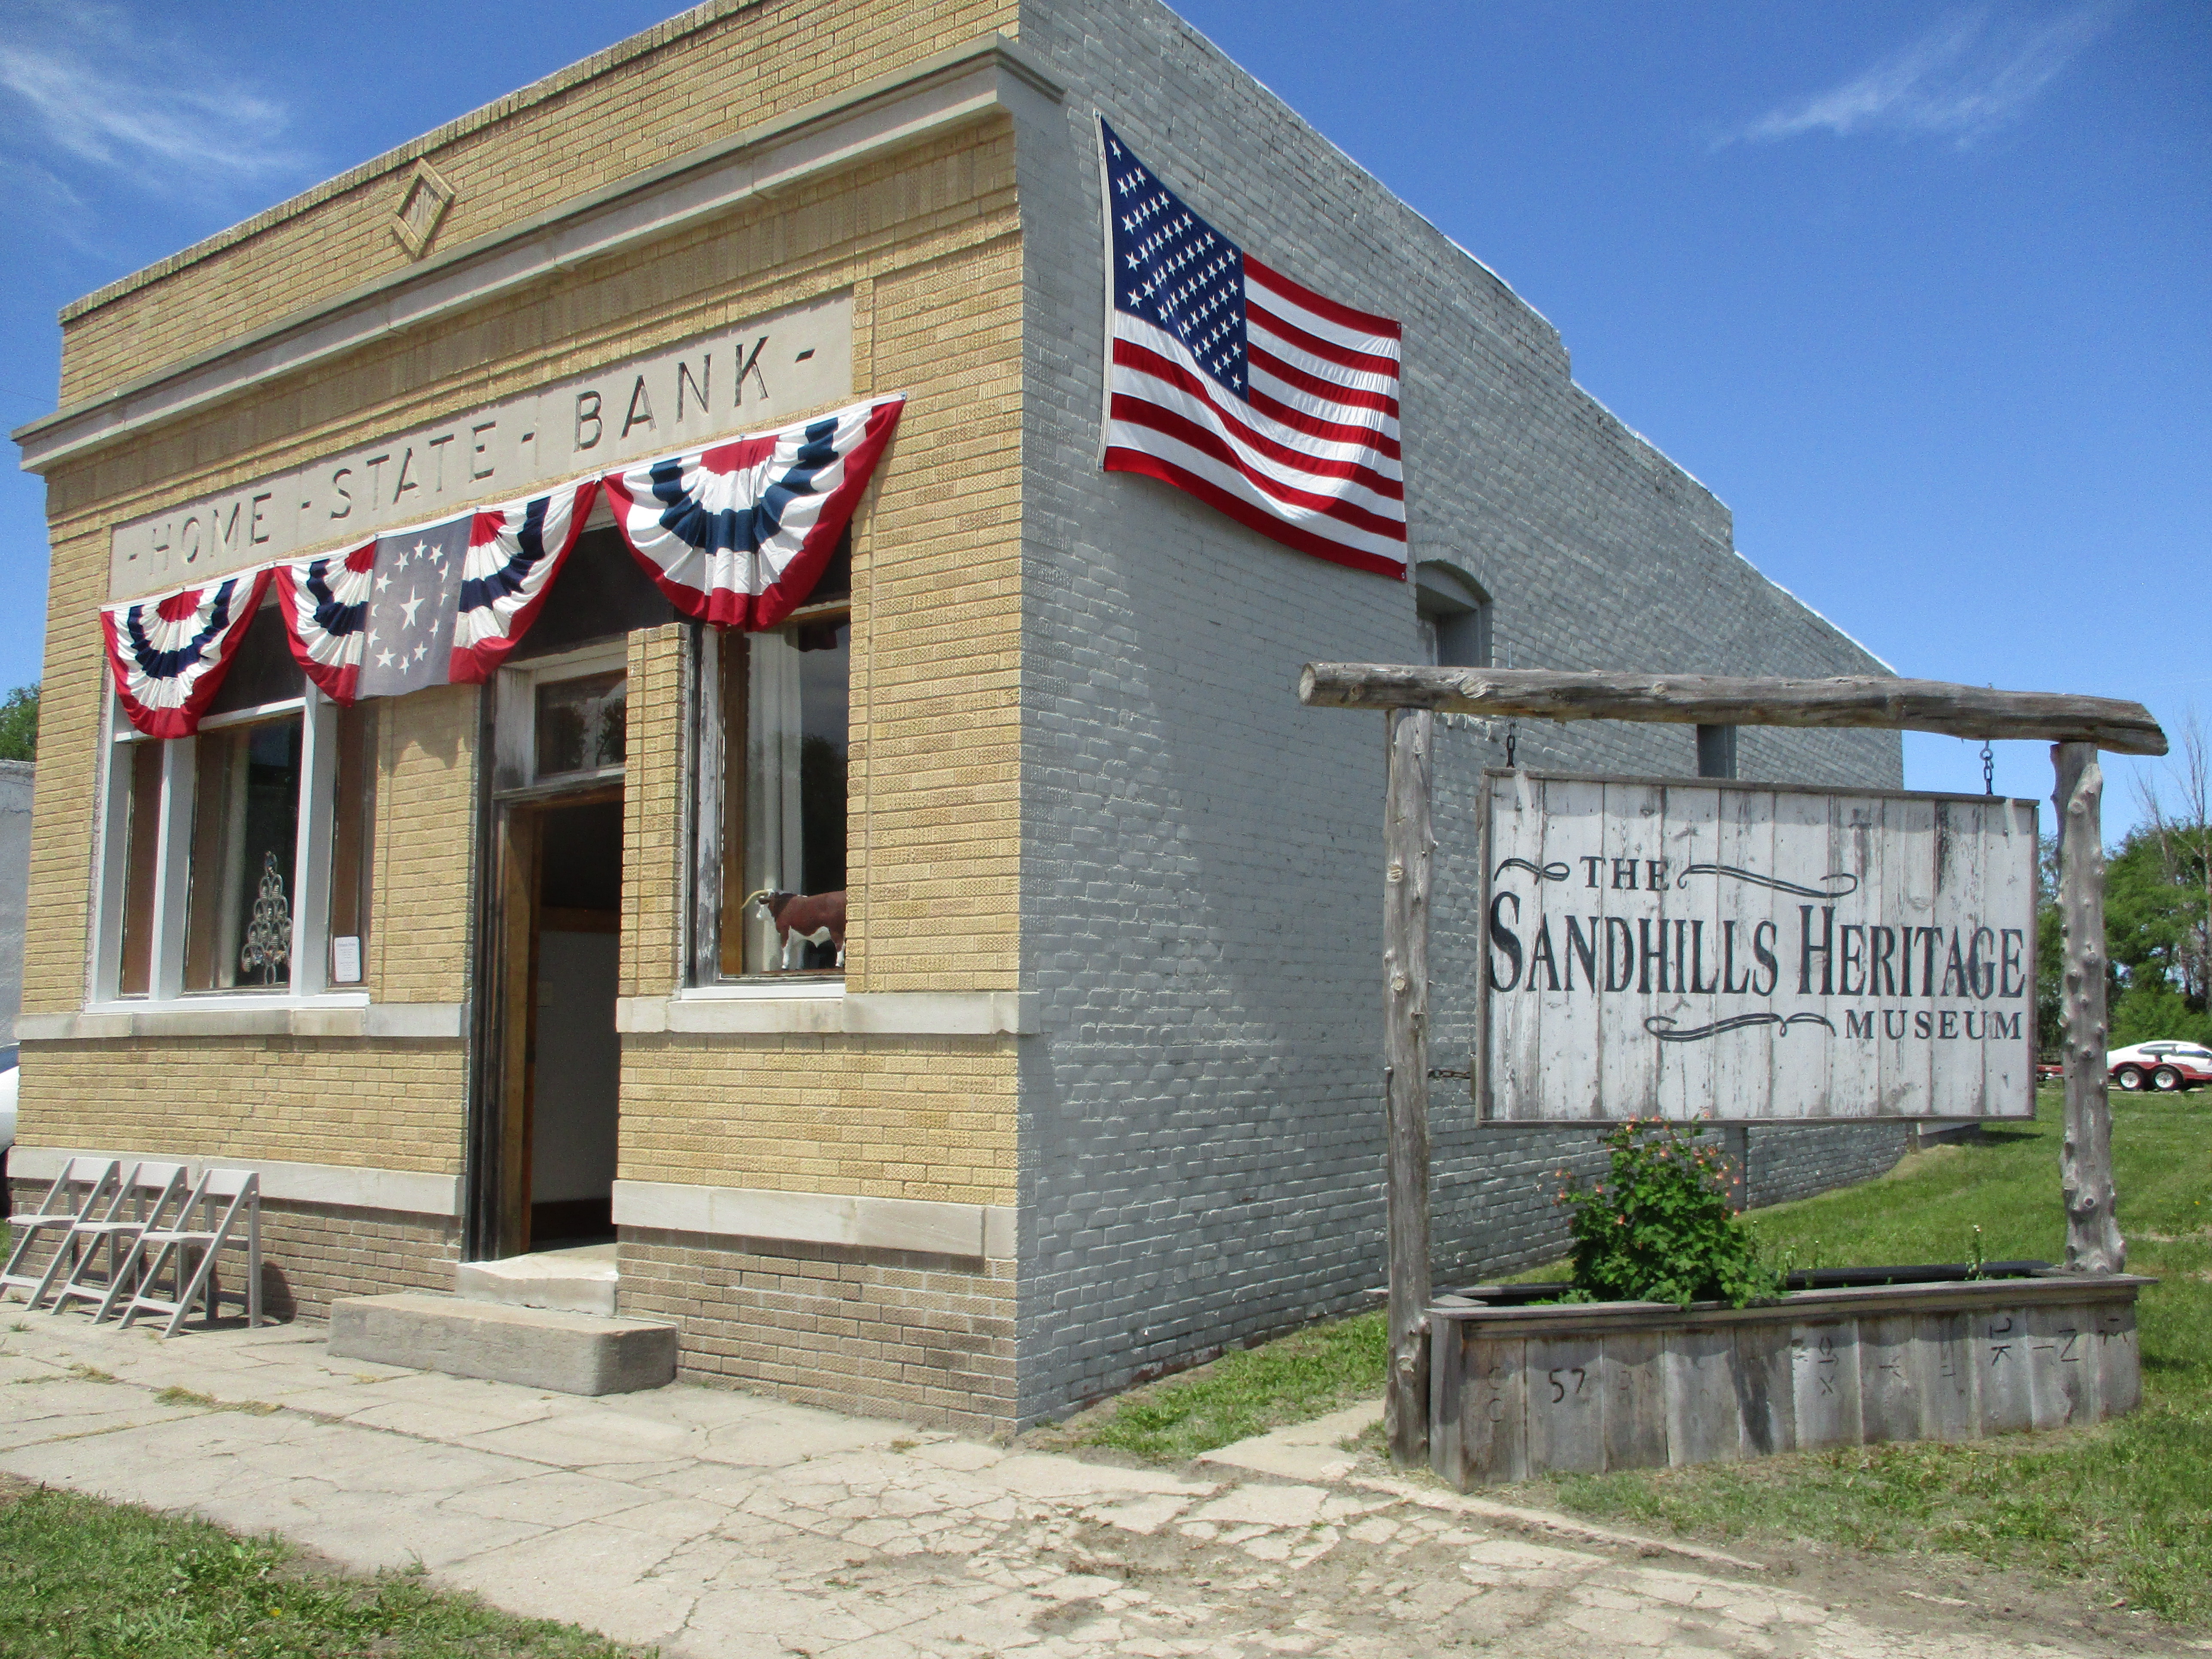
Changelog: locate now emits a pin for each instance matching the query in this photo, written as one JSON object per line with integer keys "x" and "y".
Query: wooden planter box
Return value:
{"x": 1519, "y": 1391}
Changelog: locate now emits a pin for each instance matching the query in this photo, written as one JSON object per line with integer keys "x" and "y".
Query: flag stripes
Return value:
{"x": 1227, "y": 379}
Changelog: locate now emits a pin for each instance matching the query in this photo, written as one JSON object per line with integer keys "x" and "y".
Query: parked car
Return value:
{"x": 2163, "y": 1067}
{"x": 8, "y": 1075}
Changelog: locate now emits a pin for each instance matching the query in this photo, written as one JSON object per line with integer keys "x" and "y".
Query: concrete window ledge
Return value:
{"x": 404, "y": 1192}
{"x": 880, "y": 1223}
{"x": 833, "y": 1012}
{"x": 255, "y": 1016}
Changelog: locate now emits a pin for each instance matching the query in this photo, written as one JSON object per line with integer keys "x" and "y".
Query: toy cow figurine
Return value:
{"x": 803, "y": 919}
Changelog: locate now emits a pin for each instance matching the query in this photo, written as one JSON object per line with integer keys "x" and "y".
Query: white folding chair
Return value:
{"x": 82, "y": 1187}
{"x": 140, "y": 1199}
{"x": 207, "y": 1224}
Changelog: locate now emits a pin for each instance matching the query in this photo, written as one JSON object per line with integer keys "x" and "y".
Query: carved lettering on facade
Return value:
{"x": 772, "y": 368}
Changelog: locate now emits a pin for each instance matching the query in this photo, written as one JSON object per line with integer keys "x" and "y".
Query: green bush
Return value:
{"x": 1658, "y": 1227}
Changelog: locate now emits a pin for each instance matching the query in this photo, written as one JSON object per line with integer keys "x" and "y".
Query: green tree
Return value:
{"x": 2049, "y": 953}
{"x": 2158, "y": 903}
{"x": 18, "y": 724}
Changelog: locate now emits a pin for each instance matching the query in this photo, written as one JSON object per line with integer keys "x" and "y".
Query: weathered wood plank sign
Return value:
{"x": 1887, "y": 899}
{"x": 1753, "y": 952}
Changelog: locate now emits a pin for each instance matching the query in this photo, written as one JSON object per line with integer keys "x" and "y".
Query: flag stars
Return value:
{"x": 1180, "y": 274}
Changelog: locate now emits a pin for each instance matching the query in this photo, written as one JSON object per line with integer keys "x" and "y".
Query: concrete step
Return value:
{"x": 537, "y": 1347}
{"x": 580, "y": 1279}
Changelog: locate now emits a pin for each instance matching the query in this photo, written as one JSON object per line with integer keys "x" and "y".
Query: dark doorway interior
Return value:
{"x": 575, "y": 1056}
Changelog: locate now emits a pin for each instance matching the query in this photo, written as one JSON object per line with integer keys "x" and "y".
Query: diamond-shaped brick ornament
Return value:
{"x": 422, "y": 203}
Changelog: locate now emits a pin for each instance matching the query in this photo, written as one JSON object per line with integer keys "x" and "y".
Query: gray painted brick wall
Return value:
{"x": 1200, "y": 1116}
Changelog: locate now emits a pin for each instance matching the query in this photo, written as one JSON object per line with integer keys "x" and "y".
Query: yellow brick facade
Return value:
{"x": 392, "y": 1105}
{"x": 926, "y": 241}
{"x": 713, "y": 73}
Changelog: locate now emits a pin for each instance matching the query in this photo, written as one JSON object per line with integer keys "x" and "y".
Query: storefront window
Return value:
{"x": 353, "y": 818}
{"x": 214, "y": 905}
{"x": 141, "y": 829}
{"x": 775, "y": 722}
{"x": 246, "y": 831}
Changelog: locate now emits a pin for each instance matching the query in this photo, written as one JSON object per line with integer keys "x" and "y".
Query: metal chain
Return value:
{"x": 1512, "y": 742}
{"x": 1988, "y": 769}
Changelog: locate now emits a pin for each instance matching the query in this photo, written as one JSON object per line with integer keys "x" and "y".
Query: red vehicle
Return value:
{"x": 2164, "y": 1066}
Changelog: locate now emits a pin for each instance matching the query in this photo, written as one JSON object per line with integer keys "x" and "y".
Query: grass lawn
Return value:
{"x": 83, "y": 1579}
{"x": 2127, "y": 1504}
{"x": 1291, "y": 1380}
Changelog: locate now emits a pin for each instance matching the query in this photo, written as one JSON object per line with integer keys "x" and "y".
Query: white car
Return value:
{"x": 2163, "y": 1065}
{"x": 8, "y": 1074}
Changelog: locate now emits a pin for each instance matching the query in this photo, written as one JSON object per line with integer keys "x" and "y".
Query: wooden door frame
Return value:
{"x": 511, "y": 1043}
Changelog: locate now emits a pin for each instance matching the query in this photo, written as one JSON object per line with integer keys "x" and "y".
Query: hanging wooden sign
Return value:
{"x": 1753, "y": 952}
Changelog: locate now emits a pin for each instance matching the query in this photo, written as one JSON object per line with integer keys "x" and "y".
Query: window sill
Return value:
{"x": 828, "y": 1009}
{"x": 766, "y": 988}
{"x": 349, "y": 1014}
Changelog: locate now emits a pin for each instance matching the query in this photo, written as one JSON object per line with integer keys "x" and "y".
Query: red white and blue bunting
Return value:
{"x": 514, "y": 553}
{"x": 738, "y": 534}
{"x": 324, "y": 600}
{"x": 169, "y": 653}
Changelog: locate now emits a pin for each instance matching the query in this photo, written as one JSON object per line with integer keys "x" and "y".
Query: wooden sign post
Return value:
{"x": 2077, "y": 726}
{"x": 1406, "y": 842}
{"x": 2093, "y": 1244}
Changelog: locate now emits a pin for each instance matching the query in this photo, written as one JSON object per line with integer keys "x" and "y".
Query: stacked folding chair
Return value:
{"x": 86, "y": 1187}
{"x": 143, "y": 1200}
{"x": 223, "y": 1212}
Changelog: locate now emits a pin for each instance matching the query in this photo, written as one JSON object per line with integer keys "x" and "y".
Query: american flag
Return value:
{"x": 1258, "y": 396}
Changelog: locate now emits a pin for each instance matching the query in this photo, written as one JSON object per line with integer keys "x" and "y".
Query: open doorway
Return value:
{"x": 575, "y": 1061}
{"x": 544, "y": 1125}
{"x": 561, "y": 1058}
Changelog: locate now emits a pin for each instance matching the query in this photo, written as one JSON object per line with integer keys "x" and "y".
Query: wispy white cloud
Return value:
{"x": 96, "y": 85}
{"x": 1970, "y": 75}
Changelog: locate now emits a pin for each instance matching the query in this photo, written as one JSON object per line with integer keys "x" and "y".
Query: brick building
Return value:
{"x": 1095, "y": 1090}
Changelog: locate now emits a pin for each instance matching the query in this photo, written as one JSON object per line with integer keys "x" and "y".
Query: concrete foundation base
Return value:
{"x": 537, "y": 1347}
{"x": 582, "y": 1280}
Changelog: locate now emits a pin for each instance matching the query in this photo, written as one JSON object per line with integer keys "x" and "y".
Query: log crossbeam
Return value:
{"x": 1846, "y": 700}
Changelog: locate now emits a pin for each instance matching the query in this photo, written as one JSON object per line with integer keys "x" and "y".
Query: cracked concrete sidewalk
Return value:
{"x": 715, "y": 1523}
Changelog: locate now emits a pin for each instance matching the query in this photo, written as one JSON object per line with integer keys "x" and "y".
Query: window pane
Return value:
{"x": 264, "y": 669}
{"x": 582, "y": 723}
{"x": 735, "y": 668}
{"x": 353, "y": 809}
{"x": 1717, "y": 751}
{"x": 603, "y": 593}
{"x": 246, "y": 823}
{"x": 141, "y": 831}
{"x": 791, "y": 808}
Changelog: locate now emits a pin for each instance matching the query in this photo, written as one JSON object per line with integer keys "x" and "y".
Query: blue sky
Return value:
{"x": 1920, "y": 290}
